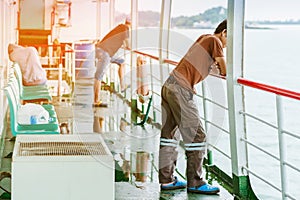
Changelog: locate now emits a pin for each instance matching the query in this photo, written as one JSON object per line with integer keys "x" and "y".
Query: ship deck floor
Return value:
{"x": 124, "y": 140}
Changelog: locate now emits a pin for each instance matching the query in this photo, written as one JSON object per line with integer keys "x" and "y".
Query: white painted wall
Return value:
{"x": 8, "y": 24}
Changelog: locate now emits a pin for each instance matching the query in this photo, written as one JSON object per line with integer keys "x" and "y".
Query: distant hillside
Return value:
{"x": 148, "y": 18}
{"x": 276, "y": 22}
{"x": 209, "y": 19}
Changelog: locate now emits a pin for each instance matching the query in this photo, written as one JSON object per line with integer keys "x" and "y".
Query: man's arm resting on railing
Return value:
{"x": 126, "y": 44}
{"x": 221, "y": 63}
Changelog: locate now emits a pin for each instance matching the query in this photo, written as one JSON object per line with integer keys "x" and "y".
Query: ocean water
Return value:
{"x": 270, "y": 57}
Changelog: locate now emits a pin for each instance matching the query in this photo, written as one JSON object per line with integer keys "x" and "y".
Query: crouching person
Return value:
{"x": 30, "y": 64}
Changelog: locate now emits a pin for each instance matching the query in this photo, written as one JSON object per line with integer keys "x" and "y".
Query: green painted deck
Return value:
{"x": 125, "y": 140}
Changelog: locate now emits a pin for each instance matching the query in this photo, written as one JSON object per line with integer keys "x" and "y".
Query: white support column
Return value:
{"x": 105, "y": 18}
{"x": 112, "y": 13}
{"x": 164, "y": 33}
{"x": 235, "y": 42}
{"x": 98, "y": 20}
{"x": 134, "y": 46}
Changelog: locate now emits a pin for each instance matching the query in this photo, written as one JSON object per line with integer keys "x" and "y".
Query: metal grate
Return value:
{"x": 61, "y": 148}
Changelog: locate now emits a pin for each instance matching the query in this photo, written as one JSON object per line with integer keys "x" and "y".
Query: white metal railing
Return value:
{"x": 282, "y": 146}
{"x": 155, "y": 85}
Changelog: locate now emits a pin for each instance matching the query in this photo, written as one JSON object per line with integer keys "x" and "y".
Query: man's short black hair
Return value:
{"x": 127, "y": 21}
{"x": 222, "y": 26}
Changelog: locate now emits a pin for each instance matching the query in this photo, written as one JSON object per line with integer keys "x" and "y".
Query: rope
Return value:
{"x": 146, "y": 115}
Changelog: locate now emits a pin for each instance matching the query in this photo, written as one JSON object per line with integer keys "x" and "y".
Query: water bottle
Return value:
{"x": 33, "y": 119}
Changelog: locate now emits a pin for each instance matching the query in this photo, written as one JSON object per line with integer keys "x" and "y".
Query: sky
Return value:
{"x": 255, "y": 9}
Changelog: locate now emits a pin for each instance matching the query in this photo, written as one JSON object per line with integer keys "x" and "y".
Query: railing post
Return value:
{"x": 73, "y": 65}
{"x": 209, "y": 152}
{"x": 152, "y": 87}
{"x": 59, "y": 81}
{"x": 281, "y": 140}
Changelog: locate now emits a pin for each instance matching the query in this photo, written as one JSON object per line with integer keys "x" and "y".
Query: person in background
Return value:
{"x": 106, "y": 49}
{"x": 30, "y": 64}
{"x": 179, "y": 111}
{"x": 56, "y": 50}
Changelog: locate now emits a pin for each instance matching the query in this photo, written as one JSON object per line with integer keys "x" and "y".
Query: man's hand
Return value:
{"x": 126, "y": 45}
{"x": 127, "y": 48}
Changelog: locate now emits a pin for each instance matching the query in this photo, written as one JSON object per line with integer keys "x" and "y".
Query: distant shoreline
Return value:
{"x": 257, "y": 27}
{"x": 246, "y": 27}
{"x": 262, "y": 26}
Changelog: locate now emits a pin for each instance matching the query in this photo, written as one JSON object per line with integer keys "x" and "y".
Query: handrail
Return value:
{"x": 268, "y": 88}
{"x": 46, "y": 45}
{"x": 172, "y": 62}
{"x": 242, "y": 81}
{"x": 145, "y": 54}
